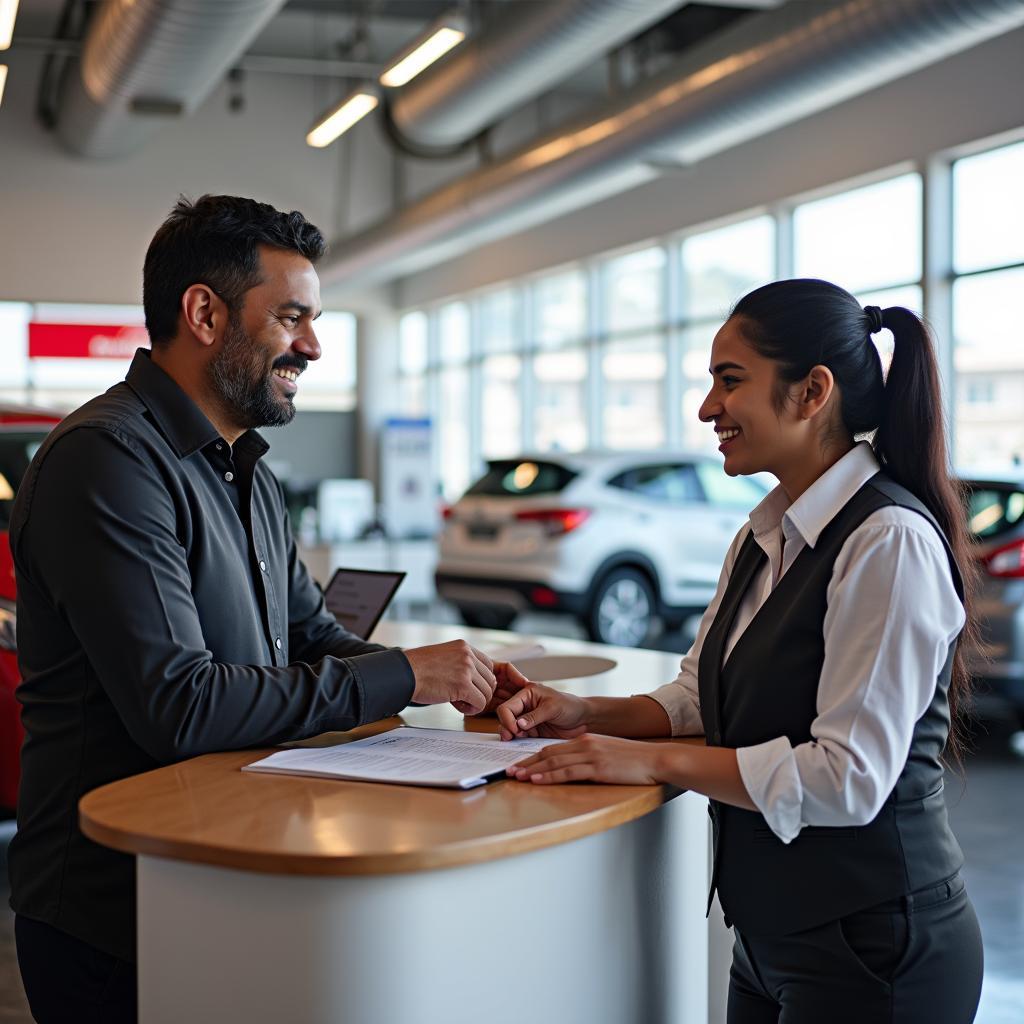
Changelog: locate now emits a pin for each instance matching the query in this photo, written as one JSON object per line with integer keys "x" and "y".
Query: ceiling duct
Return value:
{"x": 143, "y": 60}
{"x": 524, "y": 52}
{"x": 765, "y": 72}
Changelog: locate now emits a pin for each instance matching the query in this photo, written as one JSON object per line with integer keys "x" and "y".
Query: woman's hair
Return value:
{"x": 804, "y": 323}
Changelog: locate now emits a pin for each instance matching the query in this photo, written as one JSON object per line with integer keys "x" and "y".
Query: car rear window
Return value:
{"x": 16, "y": 451}
{"x": 521, "y": 478}
{"x": 663, "y": 482}
{"x": 993, "y": 509}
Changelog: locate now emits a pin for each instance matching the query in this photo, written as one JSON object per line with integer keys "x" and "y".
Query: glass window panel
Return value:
{"x": 501, "y": 407}
{"x": 696, "y": 347}
{"x": 560, "y": 308}
{"x": 453, "y": 333}
{"x": 560, "y": 400}
{"x": 633, "y": 413}
{"x": 988, "y": 358}
{"x": 334, "y": 373}
{"x": 988, "y": 209}
{"x": 721, "y": 266}
{"x": 454, "y": 432}
{"x": 499, "y": 322}
{"x": 412, "y": 396}
{"x": 634, "y": 290}
{"x": 412, "y": 343}
{"x": 863, "y": 239}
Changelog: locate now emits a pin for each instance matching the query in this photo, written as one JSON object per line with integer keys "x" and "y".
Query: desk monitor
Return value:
{"x": 357, "y": 597}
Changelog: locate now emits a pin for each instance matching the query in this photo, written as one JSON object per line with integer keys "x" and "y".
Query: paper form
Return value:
{"x": 407, "y": 755}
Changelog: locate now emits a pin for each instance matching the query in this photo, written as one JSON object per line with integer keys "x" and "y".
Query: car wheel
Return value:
{"x": 483, "y": 617}
{"x": 621, "y": 609}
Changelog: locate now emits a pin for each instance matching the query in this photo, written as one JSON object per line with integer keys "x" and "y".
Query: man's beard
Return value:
{"x": 241, "y": 382}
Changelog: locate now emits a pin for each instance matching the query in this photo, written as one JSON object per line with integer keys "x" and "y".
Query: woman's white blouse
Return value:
{"x": 892, "y": 614}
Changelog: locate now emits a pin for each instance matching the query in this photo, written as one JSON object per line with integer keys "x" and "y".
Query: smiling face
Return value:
{"x": 267, "y": 344}
{"x": 757, "y": 432}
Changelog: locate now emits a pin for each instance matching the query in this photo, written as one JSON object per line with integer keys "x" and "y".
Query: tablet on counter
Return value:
{"x": 357, "y": 598}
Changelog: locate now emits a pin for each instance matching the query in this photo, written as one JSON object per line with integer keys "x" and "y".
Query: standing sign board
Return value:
{"x": 408, "y": 487}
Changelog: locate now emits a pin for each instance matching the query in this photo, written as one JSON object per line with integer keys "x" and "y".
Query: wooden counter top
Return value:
{"x": 208, "y": 811}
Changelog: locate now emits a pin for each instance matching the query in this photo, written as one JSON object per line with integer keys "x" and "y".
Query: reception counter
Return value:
{"x": 278, "y": 898}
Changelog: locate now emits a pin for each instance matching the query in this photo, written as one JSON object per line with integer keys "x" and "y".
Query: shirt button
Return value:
{"x": 277, "y": 643}
{"x": 263, "y": 565}
{"x": 229, "y": 476}
{"x": 219, "y": 446}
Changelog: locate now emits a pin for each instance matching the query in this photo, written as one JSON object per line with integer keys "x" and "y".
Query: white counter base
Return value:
{"x": 608, "y": 929}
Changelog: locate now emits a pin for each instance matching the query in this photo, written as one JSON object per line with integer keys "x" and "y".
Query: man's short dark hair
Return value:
{"x": 215, "y": 241}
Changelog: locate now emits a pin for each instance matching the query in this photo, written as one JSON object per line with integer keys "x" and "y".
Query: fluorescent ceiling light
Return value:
{"x": 8, "y": 12}
{"x": 431, "y": 46}
{"x": 3, "y": 79}
{"x": 351, "y": 109}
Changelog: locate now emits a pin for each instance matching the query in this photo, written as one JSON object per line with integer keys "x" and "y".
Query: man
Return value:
{"x": 162, "y": 609}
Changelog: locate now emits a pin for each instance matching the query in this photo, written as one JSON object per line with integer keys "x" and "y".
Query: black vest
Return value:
{"x": 768, "y": 688}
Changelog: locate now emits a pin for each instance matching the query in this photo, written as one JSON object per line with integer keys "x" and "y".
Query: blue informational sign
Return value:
{"x": 408, "y": 486}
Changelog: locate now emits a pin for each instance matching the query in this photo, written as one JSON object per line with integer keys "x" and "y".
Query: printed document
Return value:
{"x": 409, "y": 756}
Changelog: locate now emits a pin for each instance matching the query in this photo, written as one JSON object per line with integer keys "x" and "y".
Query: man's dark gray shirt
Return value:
{"x": 162, "y": 613}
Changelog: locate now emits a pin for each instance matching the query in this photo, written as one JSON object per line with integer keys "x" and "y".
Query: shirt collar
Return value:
{"x": 820, "y": 503}
{"x": 179, "y": 419}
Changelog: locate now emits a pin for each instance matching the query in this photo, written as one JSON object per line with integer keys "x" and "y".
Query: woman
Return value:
{"x": 823, "y": 676}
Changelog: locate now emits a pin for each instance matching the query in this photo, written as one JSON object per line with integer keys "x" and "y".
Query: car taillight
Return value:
{"x": 1005, "y": 562}
{"x": 543, "y": 597}
{"x": 8, "y": 621}
{"x": 555, "y": 520}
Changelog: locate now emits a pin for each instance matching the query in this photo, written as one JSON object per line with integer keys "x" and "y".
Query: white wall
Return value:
{"x": 77, "y": 230}
{"x": 974, "y": 95}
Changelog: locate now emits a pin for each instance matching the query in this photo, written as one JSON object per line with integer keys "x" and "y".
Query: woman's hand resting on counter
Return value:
{"x": 593, "y": 758}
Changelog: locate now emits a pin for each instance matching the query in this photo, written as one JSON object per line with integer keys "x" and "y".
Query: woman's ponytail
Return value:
{"x": 910, "y": 445}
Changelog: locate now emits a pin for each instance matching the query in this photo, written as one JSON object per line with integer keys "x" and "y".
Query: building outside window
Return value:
{"x": 869, "y": 241}
{"x": 501, "y": 367}
{"x": 988, "y": 261}
{"x": 539, "y": 364}
{"x": 558, "y": 338}
{"x": 633, "y": 353}
{"x": 718, "y": 268}
{"x": 413, "y": 360}
{"x": 453, "y": 419}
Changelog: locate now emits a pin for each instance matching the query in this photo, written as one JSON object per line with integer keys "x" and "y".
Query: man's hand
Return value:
{"x": 509, "y": 682}
{"x": 540, "y": 711}
{"x": 454, "y": 672}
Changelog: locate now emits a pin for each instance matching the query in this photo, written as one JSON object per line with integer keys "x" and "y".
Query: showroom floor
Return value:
{"x": 986, "y": 807}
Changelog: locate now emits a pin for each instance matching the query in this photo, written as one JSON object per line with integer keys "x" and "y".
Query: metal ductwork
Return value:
{"x": 523, "y": 53}
{"x": 145, "y": 60}
{"x": 765, "y": 72}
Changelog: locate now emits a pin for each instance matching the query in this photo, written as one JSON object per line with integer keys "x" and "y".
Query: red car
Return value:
{"x": 22, "y": 430}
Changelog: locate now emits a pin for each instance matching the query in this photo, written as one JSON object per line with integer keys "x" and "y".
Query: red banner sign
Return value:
{"x": 85, "y": 341}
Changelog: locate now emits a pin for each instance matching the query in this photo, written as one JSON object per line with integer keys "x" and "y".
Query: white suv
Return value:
{"x": 614, "y": 539}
